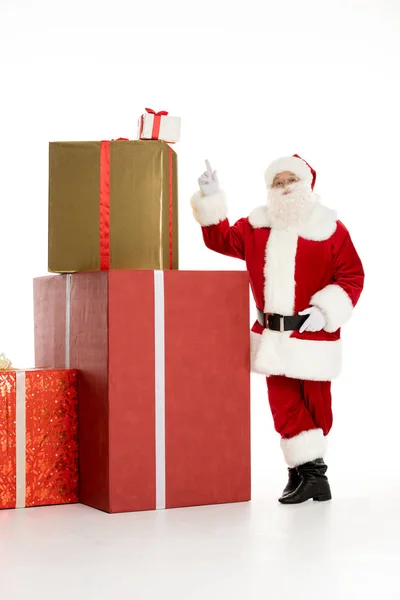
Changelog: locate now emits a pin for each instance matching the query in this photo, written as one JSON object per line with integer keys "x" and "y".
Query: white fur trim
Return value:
{"x": 209, "y": 210}
{"x": 255, "y": 341}
{"x": 277, "y": 353}
{"x": 321, "y": 224}
{"x": 335, "y": 304}
{"x": 288, "y": 163}
{"x": 259, "y": 217}
{"x": 279, "y": 266}
{"x": 304, "y": 447}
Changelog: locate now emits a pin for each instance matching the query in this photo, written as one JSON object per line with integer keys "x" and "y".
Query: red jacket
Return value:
{"x": 290, "y": 270}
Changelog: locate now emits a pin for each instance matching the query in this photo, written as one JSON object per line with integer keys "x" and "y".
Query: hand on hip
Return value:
{"x": 315, "y": 321}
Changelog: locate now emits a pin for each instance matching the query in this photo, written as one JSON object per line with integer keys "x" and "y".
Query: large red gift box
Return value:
{"x": 38, "y": 437}
{"x": 164, "y": 362}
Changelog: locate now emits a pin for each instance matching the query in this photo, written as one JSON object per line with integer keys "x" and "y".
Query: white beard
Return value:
{"x": 293, "y": 209}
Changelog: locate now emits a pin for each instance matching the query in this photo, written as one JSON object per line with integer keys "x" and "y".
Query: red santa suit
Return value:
{"x": 291, "y": 269}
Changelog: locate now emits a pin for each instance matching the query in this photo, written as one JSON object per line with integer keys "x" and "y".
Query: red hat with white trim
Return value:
{"x": 295, "y": 164}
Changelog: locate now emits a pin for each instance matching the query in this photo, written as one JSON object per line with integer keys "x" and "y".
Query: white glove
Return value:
{"x": 208, "y": 182}
{"x": 316, "y": 320}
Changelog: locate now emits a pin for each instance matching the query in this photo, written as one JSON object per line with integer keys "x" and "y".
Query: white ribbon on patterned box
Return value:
{"x": 159, "y": 381}
{"x": 20, "y": 431}
{"x": 20, "y": 435}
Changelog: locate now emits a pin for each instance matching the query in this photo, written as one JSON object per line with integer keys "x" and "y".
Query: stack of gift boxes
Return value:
{"x": 140, "y": 397}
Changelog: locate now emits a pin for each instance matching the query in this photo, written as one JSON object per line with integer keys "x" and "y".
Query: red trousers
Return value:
{"x": 299, "y": 406}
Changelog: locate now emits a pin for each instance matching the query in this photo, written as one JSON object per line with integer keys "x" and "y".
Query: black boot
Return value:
{"x": 313, "y": 484}
{"x": 293, "y": 482}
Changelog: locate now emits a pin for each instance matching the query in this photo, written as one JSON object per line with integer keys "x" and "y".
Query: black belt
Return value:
{"x": 280, "y": 322}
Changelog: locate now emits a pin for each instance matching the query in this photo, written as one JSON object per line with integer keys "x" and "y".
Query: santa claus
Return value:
{"x": 306, "y": 278}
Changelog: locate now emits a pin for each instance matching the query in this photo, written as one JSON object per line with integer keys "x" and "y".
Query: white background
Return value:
{"x": 252, "y": 81}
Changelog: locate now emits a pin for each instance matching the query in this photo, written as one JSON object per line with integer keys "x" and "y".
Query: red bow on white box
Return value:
{"x": 157, "y": 121}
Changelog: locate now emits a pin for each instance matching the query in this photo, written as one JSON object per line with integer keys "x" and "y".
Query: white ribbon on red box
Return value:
{"x": 159, "y": 331}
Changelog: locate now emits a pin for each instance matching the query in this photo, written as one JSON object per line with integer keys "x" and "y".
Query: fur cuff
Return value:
{"x": 209, "y": 210}
{"x": 302, "y": 448}
{"x": 335, "y": 304}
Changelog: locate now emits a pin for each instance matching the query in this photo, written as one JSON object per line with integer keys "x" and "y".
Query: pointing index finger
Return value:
{"x": 208, "y": 166}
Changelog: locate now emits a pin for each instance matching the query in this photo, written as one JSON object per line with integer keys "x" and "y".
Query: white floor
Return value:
{"x": 344, "y": 549}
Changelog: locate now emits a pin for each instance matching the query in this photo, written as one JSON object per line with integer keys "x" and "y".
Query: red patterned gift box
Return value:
{"x": 38, "y": 437}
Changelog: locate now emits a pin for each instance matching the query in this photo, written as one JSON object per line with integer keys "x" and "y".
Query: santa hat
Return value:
{"x": 295, "y": 164}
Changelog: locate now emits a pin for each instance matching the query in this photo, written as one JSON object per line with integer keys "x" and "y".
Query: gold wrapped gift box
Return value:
{"x": 112, "y": 205}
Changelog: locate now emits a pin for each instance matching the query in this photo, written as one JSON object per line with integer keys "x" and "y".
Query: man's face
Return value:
{"x": 283, "y": 181}
{"x": 290, "y": 200}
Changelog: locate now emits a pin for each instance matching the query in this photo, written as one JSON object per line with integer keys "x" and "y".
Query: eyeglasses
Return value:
{"x": 280, "y": 184}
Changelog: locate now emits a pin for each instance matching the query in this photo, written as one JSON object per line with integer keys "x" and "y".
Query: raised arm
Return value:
{"x": 210, "y": 210}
